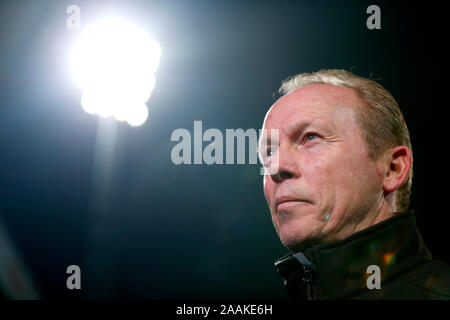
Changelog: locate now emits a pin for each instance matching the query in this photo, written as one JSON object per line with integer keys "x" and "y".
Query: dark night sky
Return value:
{"x": 197, "y": 231}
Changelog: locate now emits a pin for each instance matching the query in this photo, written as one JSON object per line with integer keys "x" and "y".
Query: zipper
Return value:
{"x": 308, "y": 279}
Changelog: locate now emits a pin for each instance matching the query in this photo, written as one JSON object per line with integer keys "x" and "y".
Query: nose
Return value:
{"x": 287, "y": 166}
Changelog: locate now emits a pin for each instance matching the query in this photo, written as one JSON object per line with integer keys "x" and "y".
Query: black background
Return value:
{"x": 195, "y": 231}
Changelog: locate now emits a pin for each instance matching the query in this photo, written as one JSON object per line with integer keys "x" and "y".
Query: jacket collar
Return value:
{"x": 339, "y": 269}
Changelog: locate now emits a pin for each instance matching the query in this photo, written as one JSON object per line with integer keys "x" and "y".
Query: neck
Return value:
{"x": 383, "y": 210}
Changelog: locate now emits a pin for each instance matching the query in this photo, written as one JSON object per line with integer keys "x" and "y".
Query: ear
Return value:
{"x": 398, "y": 160}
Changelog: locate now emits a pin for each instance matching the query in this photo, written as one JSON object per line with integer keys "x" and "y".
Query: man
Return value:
{"x": 338, "y": 190}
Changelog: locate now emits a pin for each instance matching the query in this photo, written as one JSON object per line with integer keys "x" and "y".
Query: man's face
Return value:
{"x": 326, "y": 184}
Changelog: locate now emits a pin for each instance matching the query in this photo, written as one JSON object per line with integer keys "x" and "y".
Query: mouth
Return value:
{"x": 285, "y": 203}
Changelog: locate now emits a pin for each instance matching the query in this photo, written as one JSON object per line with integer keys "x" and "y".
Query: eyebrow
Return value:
{"x": 296, "y": 127}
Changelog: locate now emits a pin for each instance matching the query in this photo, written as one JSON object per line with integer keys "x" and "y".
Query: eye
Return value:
{"x": 311, "y": 136}
{"x": 267, "y": 156}
{"x": 271, "y": 150}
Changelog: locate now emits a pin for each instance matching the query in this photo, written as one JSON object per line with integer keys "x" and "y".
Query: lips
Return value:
{"x": 285, "y": 202}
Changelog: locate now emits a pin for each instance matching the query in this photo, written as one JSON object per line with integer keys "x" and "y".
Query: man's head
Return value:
{"x": 344, "y": 158}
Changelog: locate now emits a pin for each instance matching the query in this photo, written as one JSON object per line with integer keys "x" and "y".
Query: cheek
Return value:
{"x": 342, "y": 169}
{"x": 322, "y": 178}
{"x": 321, "y": 168}
{"x": 379, "y": 173}
{"x": 268, "y": 190}
{"x": 359, "y": 173}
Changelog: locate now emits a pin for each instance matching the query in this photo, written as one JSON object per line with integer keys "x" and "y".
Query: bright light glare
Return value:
{"x": 114, "y": 63}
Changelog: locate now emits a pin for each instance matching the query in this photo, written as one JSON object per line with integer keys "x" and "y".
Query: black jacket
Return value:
{"x": 338, "y": 270}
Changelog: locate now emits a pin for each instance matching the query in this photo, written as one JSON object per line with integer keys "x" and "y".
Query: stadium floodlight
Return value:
{"x": 114, "y": 63}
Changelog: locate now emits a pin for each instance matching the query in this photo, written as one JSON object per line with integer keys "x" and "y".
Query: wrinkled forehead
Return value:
{"x": 327, "y": 103}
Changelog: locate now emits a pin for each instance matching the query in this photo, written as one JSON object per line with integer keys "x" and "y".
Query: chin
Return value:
{"x": 298, "y": 238}
{"x": 296, "y": 241}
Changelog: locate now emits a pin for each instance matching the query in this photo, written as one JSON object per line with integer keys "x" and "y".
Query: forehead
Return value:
{"x": 316, "y": 102}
